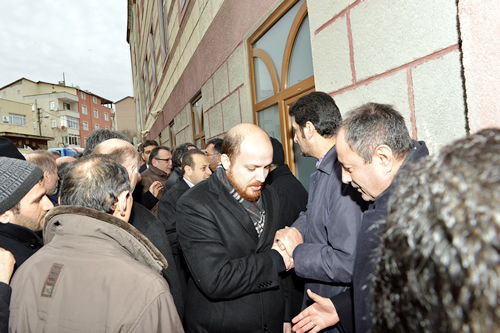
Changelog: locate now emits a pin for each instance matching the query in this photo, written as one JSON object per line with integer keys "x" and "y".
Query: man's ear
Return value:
{"x": 187, "y": 170}
{"x": 309, "y": 130}
{"x": 384, "y": 156}
{"x": 6, "y": 217}
{"x": 46, "y": 174}
{"x": 226, "y": 163}
{"x": 121, "y": 204}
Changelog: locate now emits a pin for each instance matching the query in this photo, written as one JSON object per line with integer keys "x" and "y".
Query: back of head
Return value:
{"x": 217, "y": 142}
{"x": 43, "y": 159}
{"x": 278, "y": 152}
{"x": 188, "y": 158}
{"x": 179, "y": 151}
{"x": 100, "y": 135}
{"x": 17, "y": 178}
{"x": 373, "y": 125}
{"x": 320, "y": 109}
{"x": 94, "y": 182}
{"x": 438, "y": 270}
{"x": 119, "y": 151}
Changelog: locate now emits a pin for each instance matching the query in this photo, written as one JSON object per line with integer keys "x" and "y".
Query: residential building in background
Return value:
{"x": 126, "y": 119}
{"x": 19, "y": 125}
{"x": 201, "y": 67}
{"x": 66, "y": 114}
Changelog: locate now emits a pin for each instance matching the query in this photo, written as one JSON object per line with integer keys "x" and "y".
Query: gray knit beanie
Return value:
{"x": 17, "y": 178}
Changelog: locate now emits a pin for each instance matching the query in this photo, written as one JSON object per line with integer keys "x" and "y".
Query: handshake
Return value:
{"x": 285, "y": 242}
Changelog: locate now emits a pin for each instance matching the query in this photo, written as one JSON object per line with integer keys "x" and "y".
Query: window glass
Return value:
{"x": 85, "y": 126}
{"x": 274, "y": 40}
{"x": 84, "y": 109}
{"x": 96, "y": 113}
{"x": 17, "y": 119}
{"x": 269, "y": 121}
{"x": 263, "y": 83}
{"x": 301, "y": 64}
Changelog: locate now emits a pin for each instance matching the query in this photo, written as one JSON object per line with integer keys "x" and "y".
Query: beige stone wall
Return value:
{"x": 7, "y": 107}
{"x": 404, "y": 53}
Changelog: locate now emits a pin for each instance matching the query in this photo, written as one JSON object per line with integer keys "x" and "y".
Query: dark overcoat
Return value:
{"x": 235, "y": 285}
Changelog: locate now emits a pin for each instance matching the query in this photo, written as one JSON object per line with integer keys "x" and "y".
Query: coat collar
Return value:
{"x": 82, "y": 220}
{"x": 230, "y": 203}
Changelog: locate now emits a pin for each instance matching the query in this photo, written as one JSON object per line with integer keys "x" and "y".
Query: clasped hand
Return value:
{"x": 285, "y": 242}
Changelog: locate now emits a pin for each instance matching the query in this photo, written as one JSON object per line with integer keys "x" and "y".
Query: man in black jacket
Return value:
{"x": 23, "y": 206}
{"x": 373, "y": 144}
{"x": 195, "y": 168}
{"x": 6, "y": 268}
{"x": 226, "y": 228}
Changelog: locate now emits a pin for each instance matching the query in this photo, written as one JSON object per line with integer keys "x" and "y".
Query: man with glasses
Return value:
{"x": 212, "y": 152}
{"x": 160, "y": 168}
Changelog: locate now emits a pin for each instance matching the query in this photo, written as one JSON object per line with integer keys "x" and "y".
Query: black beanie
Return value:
{"x": 17, "y": 178}
{"x": 278, "y": 153}
{"x": 8, "y": 149}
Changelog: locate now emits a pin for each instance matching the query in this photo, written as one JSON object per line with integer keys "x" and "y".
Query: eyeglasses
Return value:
{"x": 208, "y": 155}
{"x": 163, "y": 159}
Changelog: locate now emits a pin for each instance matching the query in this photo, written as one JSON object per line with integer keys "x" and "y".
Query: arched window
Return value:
{"x": 281, "y": 70}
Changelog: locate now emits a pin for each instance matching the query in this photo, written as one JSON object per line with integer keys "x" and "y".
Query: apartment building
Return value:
{"x": 67, "y": 114}
{"x": 202, "y": 66}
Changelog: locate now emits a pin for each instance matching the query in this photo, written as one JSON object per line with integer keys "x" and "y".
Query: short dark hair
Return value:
{"x": 372, "y": 125}
{"x": 217, "y": 142}
{"x": 438, "y": 267}
{"x": 320, "y": 109}
{"x": 94, "y": 182}
{"x": 155, "y": 151}
{"x": 101, "y": 135}
{"x": 189, "y": 160}
{"x": 149, "y": 143}
{"x": 179, "y": 151}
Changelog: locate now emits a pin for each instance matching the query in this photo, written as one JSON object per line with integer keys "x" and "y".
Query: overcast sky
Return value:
{"x": 85, "y": 39}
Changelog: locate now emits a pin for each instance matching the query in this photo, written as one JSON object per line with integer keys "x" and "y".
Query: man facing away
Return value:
{"x": 23, "y": 205}
{"x": 226, "y": 227}
{"x": 438, "y": 270}
{"x": 323, "y": 239}
{"x": 47, "y": 162}
{"x": 177, "y": 155}
{"x": 96, "y": 271}
{"x": 194, "y": 170}
{"x": 373, "y": 144}
{"x": 141, "y": 218}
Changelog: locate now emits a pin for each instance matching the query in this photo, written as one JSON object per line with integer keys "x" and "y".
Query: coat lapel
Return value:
{"x": 235, "y": 208}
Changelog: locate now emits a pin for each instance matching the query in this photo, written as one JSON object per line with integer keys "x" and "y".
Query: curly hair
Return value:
{"x": 438, "y": 267}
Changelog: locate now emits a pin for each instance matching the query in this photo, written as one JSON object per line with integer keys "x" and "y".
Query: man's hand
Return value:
{"x": 320, "y": 315}
{"x": 155, "y": 188}
{"x": 286, "y": 258}
{"x": 7, "y": 262}
{"x": 288, "y": 239}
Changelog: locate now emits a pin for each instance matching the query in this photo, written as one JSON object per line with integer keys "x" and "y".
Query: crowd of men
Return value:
{"x": 226, "y": 239}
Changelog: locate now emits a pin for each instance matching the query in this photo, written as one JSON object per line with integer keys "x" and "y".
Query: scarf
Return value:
{"x": 254, "y": 209}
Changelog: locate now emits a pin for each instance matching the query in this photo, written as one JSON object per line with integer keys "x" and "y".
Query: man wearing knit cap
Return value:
{"x": 23, "y": 205}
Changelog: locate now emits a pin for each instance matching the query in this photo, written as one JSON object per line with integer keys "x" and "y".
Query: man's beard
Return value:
{"x": 245, "y": 192}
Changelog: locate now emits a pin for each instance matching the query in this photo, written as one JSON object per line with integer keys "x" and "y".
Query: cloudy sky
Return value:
{"x": 85, "y": 39}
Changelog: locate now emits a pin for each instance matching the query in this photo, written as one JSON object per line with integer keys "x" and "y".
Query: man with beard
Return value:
{"x": 23, "y": 205}
{"x": 323, "y": 239}
{"x": 226, "y": 227}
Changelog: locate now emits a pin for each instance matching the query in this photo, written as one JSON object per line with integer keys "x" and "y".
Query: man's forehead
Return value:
{"x": 36, "y": 191}
{"x": 149, "y": 148}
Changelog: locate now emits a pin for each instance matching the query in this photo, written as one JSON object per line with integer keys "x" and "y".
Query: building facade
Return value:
{"x": 57, "y": 110}
{"x": 200, "y": 67}
{"x": 126, "y": 118}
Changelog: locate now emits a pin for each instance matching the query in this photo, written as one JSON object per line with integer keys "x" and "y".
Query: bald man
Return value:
{"x": 226, "y": 227}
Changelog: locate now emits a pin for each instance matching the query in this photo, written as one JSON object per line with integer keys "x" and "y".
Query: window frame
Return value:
{"x": 194, "y": 117}
{"x": 96, "y": 114}
{"x": 84, "y": 109}
{"x": 283, "y": 94}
